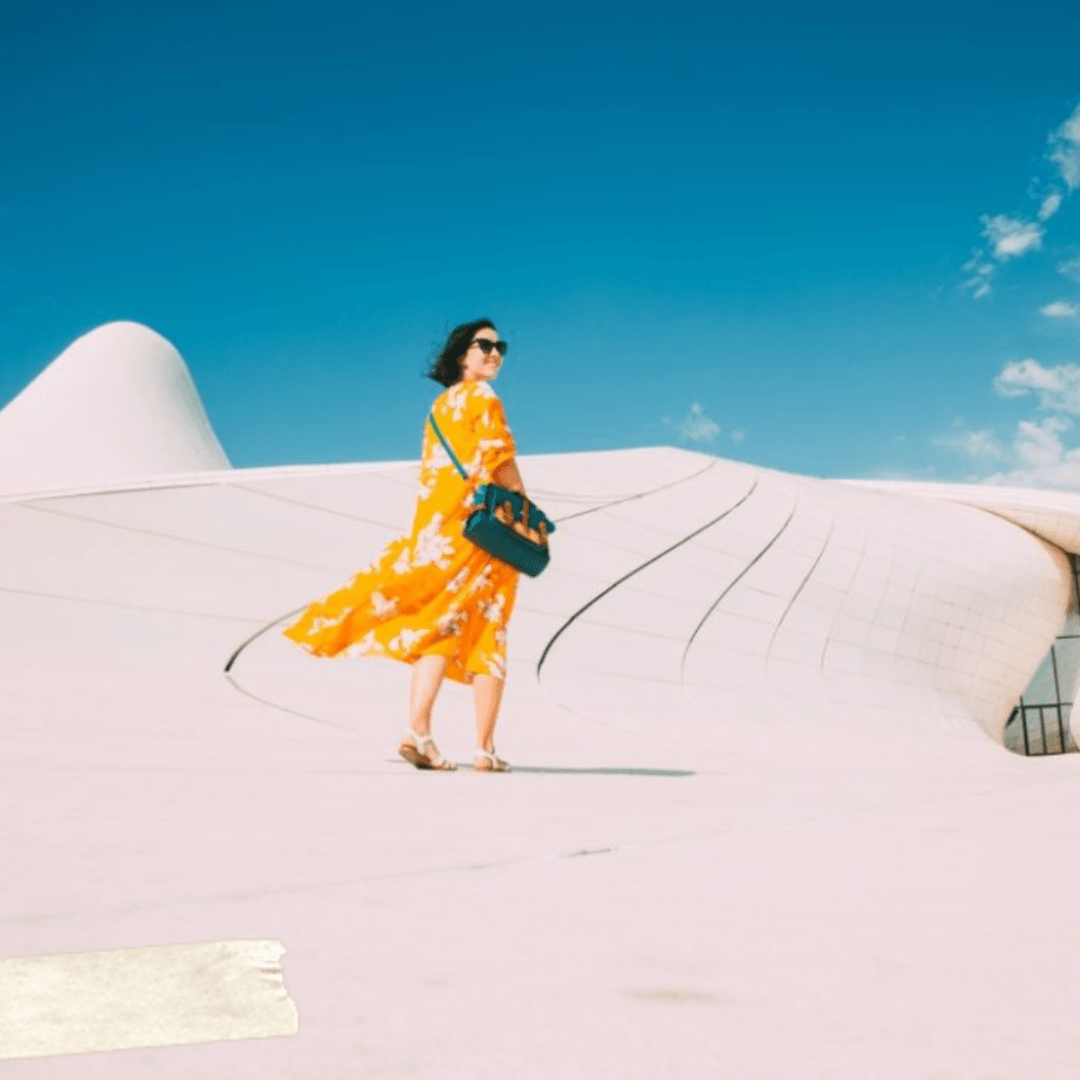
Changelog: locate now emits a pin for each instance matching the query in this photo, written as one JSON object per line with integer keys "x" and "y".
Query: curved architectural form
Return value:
{"x": 799, "y": 598}
{"x": 1053, "y": 515}
{"x": 761, "y": 824}
{"x": 117, "y": 405}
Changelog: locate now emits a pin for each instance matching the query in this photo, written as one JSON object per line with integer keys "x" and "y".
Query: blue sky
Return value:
{"x": 806, "y": 236}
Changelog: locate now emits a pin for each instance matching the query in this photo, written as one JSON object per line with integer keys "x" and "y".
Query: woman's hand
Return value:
{"x": 507, "y": 475}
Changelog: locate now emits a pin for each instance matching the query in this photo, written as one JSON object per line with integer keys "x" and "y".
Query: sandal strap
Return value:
{"x": 496, "y": 764}
{"x": 425, "y": 744}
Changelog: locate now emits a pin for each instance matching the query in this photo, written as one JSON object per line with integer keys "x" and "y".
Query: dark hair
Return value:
{"x": 446, "y": 368}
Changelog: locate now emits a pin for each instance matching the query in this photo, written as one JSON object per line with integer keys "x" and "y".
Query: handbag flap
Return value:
{"x": 491, "y": 496}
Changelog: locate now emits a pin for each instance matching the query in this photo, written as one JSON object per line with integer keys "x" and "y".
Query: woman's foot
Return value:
{"x": 486, "y": 761}
{"x": 421, "y": 751}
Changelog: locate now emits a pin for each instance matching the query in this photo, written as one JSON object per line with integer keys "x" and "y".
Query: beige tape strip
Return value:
{"x": 167, "y": 995}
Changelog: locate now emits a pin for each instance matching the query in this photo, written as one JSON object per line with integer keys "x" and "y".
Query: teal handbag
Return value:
{"x": 505, "y": 524}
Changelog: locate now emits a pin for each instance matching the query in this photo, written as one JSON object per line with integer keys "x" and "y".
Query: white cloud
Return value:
{"x": 1058, "y": 388}
{"x": 980, "y": 445}
{"x": 1011, "y": 236}
{"x": 1070, "y": 268}
{"x": 1038, "y": 444}
{"x": 1063, "y": 475}
{"x": 696, "y": 427}
{"x": 981, "y": 274}
{"x": 1038, "y": 453}
{"x": 1035, "y": 456}
{"x": 1042, "y": 459}
{"x": 1060, "y": 309}
{"x": 737, "y": 436}
{"x": 1050, "y": 205}
{"x": 1065, "y": 149}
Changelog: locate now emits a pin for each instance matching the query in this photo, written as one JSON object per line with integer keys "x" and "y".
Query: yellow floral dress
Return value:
{"x": 432, "y": 592}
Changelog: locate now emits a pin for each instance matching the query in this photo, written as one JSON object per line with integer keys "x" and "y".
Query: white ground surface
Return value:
{"x": 799, "y": 860}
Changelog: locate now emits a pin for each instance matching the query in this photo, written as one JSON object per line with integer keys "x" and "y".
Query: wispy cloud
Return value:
{"x": 979, "y": 445}
{"x": 1036, "y": 455}
{"x": 1060, "y": 309}
{"x": 1065, "y": 150}
{"x": 982, "y": 273}
{"x": 1011, "y": 236}
{"x": 1041, "y": 458}
{"x": 1057, "y": 388}
{"x": 1070, "y": 268}
{"x": 1051, "y": 204}
{"x": 1038, "y": 452}
{"x": 1038, "y": 443}
{"x": 696, "y": 427}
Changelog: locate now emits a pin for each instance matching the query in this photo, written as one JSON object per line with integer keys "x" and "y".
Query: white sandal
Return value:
{"x": 414, "y": 750}
{"x": 493, "y": 763}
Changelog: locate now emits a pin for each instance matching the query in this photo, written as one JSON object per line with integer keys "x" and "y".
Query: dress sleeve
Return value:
{"x": 494, "y": 441}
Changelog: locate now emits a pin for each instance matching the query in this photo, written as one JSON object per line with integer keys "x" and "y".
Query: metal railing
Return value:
{"x": 1039, "y": 724}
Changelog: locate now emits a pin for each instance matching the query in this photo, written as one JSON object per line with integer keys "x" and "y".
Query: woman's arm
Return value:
{"x": 507, "y": 475}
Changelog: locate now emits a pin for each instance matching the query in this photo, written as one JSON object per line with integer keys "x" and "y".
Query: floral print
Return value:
{"x": 432, "y": 592}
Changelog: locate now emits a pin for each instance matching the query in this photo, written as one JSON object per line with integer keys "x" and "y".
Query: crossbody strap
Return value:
{"x": 447, "y": 447}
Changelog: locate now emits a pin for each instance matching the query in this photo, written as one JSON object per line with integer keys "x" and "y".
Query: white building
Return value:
{"x": 772, "y": 707}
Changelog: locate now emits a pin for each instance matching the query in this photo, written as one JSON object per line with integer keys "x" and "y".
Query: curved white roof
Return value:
{"x": 117, "y": 405}
{"x": 1052, "y": 515}
{"x": 756, "y": 827}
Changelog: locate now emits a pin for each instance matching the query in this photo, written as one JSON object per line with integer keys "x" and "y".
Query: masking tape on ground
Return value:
{"x": 168, "y": 995}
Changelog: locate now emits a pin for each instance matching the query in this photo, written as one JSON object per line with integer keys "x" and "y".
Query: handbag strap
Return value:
{"x": 546, "y": 525}
{"x": 447, "y": 447}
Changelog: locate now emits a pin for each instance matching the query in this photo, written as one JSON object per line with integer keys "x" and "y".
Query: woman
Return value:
{"x": 433, "y": 599}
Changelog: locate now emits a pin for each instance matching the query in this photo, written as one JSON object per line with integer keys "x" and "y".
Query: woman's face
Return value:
{"x": 476, "y": 364}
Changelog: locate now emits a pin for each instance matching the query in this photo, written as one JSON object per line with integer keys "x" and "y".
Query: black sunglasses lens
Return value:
{"x": 484, "y": 345}
{"x": 502, "y": 347}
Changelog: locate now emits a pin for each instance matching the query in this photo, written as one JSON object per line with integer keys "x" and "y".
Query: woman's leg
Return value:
{"x": 427, "y": 677}
{"x": 487, "y": 696}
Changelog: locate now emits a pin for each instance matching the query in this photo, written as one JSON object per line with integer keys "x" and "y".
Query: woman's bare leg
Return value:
{"x": 487, "y": 697}
{"x": 427, "y": 677}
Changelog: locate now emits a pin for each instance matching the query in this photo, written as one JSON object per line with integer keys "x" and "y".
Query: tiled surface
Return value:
{"x": 817, "y": 593}
{"x": 1053, "y": 515}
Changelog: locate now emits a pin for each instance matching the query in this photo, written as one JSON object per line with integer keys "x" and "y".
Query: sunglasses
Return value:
{"x": 485, "y": 345}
